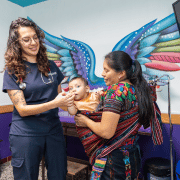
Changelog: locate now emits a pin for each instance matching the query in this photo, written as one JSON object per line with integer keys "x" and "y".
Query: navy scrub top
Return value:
{"x": 36, "y": 92}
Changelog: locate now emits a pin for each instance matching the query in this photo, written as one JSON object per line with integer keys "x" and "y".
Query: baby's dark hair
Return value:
{"x": 82, "y": 79}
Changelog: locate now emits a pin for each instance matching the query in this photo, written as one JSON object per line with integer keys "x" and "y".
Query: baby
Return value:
{"x": 83, "y": 100}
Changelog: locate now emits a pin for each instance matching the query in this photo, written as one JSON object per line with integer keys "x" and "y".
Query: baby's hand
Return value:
{"x": 99, "y": 94}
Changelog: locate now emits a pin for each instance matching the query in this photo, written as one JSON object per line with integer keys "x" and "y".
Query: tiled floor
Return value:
{"x": 6, "y": 171}
{"x": 7, "y": 174}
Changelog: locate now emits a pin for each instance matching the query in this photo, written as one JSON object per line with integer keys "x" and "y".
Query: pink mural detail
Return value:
{"x": 164, "y": 66}
{"x": 172, "y": 57}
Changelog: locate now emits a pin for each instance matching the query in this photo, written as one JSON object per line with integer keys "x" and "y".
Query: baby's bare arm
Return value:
{"x": 99, "y": 94}
{"x": 72, "y": 110}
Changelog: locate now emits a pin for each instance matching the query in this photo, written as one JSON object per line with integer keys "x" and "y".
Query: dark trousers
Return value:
{"x": 115, "y": 166}
{"x": 27, "y": 152}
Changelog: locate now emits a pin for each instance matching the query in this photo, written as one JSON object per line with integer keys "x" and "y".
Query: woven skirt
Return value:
{"x": 122, "y": 164}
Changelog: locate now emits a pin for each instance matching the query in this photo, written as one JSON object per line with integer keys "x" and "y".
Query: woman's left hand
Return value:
{"x": 80, "y": 120}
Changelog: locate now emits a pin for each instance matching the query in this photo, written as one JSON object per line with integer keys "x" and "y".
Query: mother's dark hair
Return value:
{"x": 13, "y": 55}
{"x": 119, "y": 61}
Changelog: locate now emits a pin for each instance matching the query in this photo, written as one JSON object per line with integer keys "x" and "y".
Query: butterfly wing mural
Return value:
{"x": 155, "y": 45}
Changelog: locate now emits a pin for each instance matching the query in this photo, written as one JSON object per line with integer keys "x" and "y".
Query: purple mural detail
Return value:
{"x": 75, "y": 57}
{"x": 80, "y": 72}
{"x": 78, "y": 67}
{"x": 133, "y": 53}
{"x": 77, "y": 61}
{"x": 171, "y": 29}
{"x": 73, "y": 53}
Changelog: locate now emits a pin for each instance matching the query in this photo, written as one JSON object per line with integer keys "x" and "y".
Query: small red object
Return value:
{"x": 66, "y": 89}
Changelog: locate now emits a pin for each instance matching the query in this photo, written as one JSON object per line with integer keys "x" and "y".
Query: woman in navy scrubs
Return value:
{"x": 33, "y": 84}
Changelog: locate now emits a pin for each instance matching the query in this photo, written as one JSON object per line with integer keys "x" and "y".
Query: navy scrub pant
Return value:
{"x": 27, "y": 152}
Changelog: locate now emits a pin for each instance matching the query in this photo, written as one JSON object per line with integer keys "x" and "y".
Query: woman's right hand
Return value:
{"x": 64, "y": 100}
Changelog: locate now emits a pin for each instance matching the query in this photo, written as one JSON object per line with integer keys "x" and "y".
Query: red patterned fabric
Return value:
{"x": 121, "y": 99}
{"x": 156, "y": 126}
{"x": 93, "y": 143}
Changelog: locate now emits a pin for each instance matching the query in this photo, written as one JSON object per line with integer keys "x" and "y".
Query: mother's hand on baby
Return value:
{"x": 80, "y": 120}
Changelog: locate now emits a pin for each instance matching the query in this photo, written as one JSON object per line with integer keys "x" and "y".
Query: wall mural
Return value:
{"x": 155, "y": 45}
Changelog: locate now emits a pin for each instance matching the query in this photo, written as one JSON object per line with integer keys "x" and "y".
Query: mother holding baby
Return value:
{"x": 126, "y": 105}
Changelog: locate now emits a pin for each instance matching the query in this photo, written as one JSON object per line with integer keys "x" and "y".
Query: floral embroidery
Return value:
{"x": 120, "y": 91}
{"x": 121, "y": 88}
{"x": 125, "y": 91}
{"x": 113, "y": 96}
{"x": 115, "y": 87}
{"x": 109, "y": 88}
{"x": 104, "y": 92}
{"x": 131, "y": 90}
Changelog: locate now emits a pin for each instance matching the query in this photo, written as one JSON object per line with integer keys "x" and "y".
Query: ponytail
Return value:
{"x": 143, "y": 92}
